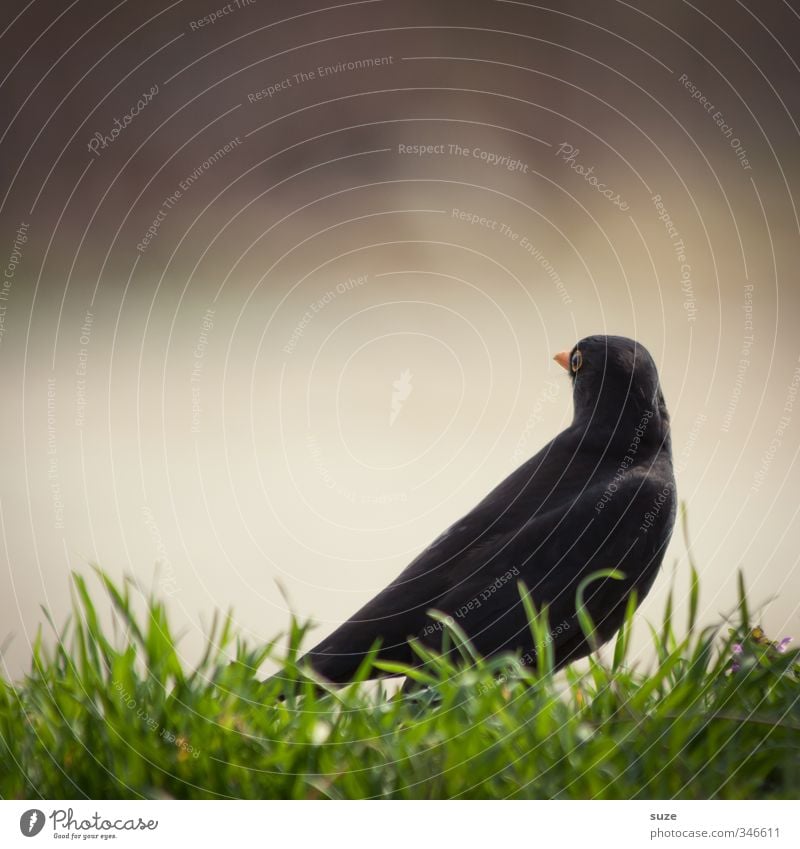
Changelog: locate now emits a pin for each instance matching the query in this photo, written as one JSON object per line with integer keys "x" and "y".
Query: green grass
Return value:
{"x": 120, "y": 716}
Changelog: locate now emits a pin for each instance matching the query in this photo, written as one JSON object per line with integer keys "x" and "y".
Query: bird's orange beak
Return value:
{"x": 562, "y": 359}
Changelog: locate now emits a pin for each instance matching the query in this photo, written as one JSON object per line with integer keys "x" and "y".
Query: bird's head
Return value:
{"x": 614, "y": 382}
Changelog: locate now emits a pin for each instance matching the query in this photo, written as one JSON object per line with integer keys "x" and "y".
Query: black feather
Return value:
{"x": 601, "y": 495}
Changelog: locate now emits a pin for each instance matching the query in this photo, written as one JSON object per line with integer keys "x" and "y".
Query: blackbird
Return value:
{"x": 599, "y": 496}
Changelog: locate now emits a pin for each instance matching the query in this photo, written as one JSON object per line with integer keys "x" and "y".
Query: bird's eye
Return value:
{"x": 577, "y": 361}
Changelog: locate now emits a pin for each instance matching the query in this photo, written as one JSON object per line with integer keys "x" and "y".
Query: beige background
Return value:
{"x": 292, "y": 468}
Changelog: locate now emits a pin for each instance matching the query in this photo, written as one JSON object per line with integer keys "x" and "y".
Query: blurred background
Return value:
{"x": 282, "y": 283}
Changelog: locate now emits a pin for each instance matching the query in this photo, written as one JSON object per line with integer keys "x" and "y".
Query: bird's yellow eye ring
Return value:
{"x": 577, "y": 361}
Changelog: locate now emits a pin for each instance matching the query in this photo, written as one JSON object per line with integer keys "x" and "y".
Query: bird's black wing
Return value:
{"x": 401, "y": 610}
{"x": 552, "y": 554}
{"x": 471, "y": 573}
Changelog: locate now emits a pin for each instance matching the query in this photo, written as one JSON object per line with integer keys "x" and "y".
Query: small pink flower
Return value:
{"x": 784, "y": 644}
{"x": 737, "y": 648}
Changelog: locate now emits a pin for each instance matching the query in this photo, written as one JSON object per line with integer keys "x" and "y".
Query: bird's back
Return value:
{"x": 564, "y": 513}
